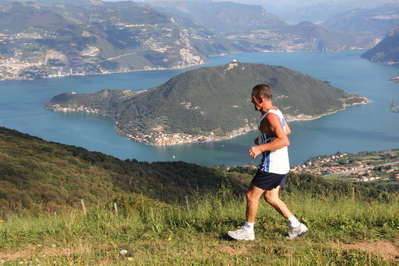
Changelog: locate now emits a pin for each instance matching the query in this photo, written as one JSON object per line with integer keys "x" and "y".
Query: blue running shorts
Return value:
{"x": 267, "y": 181}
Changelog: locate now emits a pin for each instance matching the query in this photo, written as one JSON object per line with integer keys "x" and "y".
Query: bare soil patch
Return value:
{"x": 385, "y": 249}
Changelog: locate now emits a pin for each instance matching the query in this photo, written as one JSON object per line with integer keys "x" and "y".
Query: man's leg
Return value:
{"x": 296, "y": 228}
{"x": 246, "y": 232}
{"x": 253, "y": 195}
{"x": 271, "y": 197}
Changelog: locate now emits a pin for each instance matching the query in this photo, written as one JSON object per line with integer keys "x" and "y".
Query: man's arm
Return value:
{"x": 287, "y": 128}
{"x": 271, "y": 125}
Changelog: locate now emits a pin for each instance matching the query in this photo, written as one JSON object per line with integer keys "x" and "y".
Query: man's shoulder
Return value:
{"x": 274, "y": 111}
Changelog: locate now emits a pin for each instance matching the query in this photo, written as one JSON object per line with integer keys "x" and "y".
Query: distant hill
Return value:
{"x": 387, "y": 51}
{"x": 254, "y": 29}
{"x": 375, "y": 21}
{"x": 305, "y": 36}
{"x": 223, "y": 17}
{"x": 323, "y": 39}
{"x": 208, "y": 103}
{"x": 315, "y": 13}
{"x": 321, "y": 11}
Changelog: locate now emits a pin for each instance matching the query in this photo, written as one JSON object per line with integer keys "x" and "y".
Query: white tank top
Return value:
{"x": 277, "y": 161}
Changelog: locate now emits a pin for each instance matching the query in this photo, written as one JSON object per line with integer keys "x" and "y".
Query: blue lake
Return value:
{"x": 359, "y": 128}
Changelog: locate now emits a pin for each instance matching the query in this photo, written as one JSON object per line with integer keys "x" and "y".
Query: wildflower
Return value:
{"x": 169, "y": 238}
{"x": 123, "y": 252}
{"x": 1, "y": 221}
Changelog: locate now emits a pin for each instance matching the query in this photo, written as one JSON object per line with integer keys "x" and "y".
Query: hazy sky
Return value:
{"x": 297, "y": 3}
{"x": 282, "y": 3}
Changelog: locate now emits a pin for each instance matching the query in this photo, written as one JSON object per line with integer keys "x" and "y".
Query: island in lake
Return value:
{"x": 208, "y": 104}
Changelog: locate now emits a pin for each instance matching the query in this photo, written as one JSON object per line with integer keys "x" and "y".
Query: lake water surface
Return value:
{"x": 359, "y": 128}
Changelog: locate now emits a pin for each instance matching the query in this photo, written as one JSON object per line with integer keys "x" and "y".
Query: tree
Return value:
{"x": 393, "y": 107}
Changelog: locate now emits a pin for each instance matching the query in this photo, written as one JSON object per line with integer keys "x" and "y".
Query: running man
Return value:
{"x": 272, "y": 142}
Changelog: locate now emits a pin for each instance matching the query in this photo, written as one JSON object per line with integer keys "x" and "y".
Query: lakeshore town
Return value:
{"x": 357, "y": 167}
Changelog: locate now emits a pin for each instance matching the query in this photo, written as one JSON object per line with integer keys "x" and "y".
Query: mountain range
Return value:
{"x": 95, "y": 37}
{"x": 209, "y": 103}
{"x": 377, "y": 21}
{"x": 223, "y": 17}
{"x": 71, "y": 40}
{"x": 321, "y": 11}
{"x": 257, "y": 30}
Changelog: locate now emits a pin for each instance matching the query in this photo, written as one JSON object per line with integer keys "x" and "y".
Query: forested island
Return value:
{"x": 208, "y": 104}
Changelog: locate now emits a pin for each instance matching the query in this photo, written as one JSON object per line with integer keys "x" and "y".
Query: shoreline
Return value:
{"x": 182, "y": 138}
{"x": 179, "y": 138}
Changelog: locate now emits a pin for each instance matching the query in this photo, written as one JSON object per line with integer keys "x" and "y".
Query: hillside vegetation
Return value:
{"x": 208, "y": 103}
{"x": 38, "y": 175}
{"x": 174, "y": 213}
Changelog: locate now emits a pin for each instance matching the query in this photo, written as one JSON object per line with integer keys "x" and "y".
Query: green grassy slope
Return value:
{"x": 163, "y": 213}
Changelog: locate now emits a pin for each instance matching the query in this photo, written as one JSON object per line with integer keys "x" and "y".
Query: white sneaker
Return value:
{"x": 297, "y": 231}
{"x": 241, "y": 234}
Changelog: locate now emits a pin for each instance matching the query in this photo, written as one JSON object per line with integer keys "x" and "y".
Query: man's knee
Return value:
{"x": 253, "y": 194}
{"x": 250, "y": 196}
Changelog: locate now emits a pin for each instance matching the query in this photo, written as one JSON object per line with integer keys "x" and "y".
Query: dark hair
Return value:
{"x": 262, "y": 90}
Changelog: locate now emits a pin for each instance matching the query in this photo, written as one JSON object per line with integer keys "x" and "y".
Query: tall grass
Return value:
{"x": 146, "y": 232}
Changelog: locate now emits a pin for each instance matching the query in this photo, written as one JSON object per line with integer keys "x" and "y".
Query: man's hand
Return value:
{"x": 254, "y": 151}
